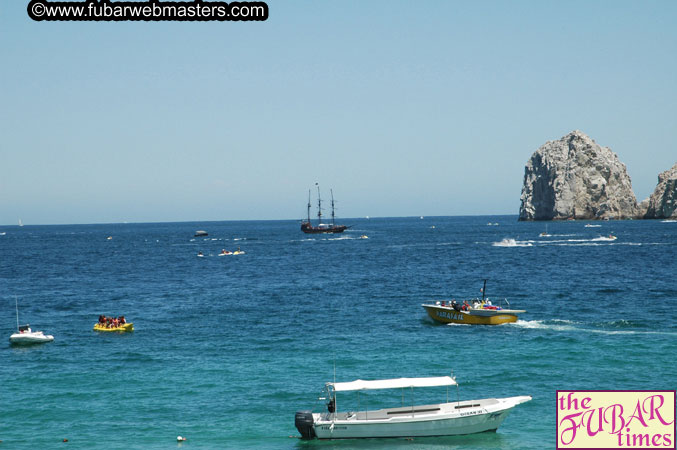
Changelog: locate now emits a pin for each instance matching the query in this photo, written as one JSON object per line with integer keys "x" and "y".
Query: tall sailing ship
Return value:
{"x": 307, "y": 226}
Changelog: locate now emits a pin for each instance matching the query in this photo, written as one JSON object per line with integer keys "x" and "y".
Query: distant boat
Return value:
{"x": 25, "y": 336}
{"x": 545, "y": 233}
{"x": 123, "y": 328}
{"x": 307, "y": 226}
{"x": 21, "y": 224}
{"x": 108, "y": 324}
{"x": 200, "y": 233}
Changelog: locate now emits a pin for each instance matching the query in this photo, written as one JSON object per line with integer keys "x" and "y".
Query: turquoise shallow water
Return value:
{"x": 226, "y": 349}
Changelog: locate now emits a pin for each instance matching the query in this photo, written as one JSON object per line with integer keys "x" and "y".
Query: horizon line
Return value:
{"x": 251, "y": 220}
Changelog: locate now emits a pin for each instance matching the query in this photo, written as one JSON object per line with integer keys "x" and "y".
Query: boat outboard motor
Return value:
{"x": 304, "y": 423}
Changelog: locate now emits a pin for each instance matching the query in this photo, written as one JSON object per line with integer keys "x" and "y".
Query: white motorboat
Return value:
{"x": 25, "y": 336}
{"x": 440, "y": 419}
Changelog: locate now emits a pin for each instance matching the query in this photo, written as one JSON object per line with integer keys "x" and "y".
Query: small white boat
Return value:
{"x": 440, "y": 419}
{"x": 25, "y": 336}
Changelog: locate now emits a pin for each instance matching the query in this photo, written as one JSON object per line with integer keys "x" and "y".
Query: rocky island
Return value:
{"x": 575, "y": 178}
{"x": 663, "y": 202}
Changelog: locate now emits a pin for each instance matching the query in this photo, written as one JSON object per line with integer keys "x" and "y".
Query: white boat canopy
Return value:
{"x": 360, "y": 385}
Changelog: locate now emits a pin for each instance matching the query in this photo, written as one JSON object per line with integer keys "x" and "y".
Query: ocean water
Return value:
{"x": 226, "y": 349}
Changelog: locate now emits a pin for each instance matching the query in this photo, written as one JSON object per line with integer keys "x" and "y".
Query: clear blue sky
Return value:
{"x": 403, "y": 108}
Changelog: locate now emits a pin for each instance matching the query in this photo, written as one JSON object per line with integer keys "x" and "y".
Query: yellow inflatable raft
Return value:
{"x": 122, "y": 328}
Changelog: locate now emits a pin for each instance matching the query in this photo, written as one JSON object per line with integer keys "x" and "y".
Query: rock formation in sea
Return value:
{"x": 575, "y": 178}
{"x": 663, "y": 202}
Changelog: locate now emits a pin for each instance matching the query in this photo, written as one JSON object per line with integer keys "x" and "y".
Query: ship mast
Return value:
{"x": 319, "y": 205}
{"x": 309, "y": 206}
{"x": 332, "y": 206}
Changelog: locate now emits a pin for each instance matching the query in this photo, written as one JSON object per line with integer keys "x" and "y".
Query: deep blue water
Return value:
{"x": 226, "y": 349}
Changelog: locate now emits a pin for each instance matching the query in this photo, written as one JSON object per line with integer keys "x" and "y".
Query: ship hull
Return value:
{"x": 447, "y": 314}
{"x": 432, "y": 420}
{"x": 309, "y": 229}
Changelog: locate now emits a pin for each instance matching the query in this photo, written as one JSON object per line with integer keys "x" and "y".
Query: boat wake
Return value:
{"x": 318, "y": 239}
{"x": 622, "y": 327}
{"x": 556, "y": 325}
{"x": 597, "y": 241}
{"x": 510, "y": 242}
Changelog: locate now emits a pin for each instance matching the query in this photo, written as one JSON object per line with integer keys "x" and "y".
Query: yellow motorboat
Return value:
{"x": 446, "y": 313}
{"x": 476, "y": 312}
{"x": 121, "y": 328}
